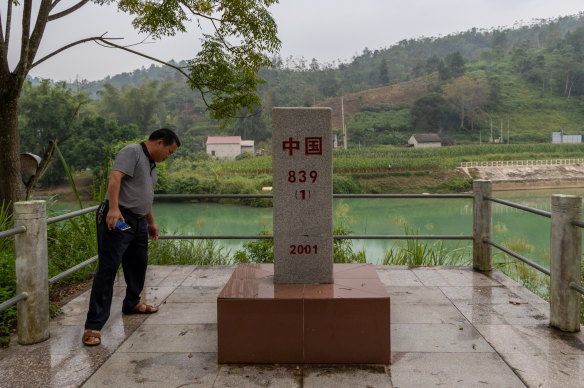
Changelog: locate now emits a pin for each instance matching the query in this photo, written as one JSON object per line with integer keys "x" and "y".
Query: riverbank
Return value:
{"x": 433, "y": 181}
{"x": 530, "y": 177}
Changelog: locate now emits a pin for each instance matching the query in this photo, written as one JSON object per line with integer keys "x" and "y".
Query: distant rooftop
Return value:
{"x": 427, "y": 138}
{"x": 224, "y": 140}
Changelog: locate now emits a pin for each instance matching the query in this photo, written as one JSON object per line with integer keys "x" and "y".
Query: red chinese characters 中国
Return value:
{"x": 290, "y": 145}
{"x": 313, "y": 146}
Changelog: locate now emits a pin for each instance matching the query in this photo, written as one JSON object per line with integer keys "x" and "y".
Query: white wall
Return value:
{"x": 224, "y": 151}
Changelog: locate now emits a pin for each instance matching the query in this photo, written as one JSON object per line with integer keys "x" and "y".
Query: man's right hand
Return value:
{"x": 113, "y": 215}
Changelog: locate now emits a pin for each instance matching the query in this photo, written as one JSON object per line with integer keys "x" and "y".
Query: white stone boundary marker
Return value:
{"x": 303, "y": 195}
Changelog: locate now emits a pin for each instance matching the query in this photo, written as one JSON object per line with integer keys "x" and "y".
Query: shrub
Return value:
{"x": 345, "y": 185}
{"x": 244, "y": 155}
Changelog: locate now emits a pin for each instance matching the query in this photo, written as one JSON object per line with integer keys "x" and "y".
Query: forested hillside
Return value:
{"x": 520, "y": 83}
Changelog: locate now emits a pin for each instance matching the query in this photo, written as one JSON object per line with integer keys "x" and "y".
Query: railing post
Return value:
{"x": 482, "y": 226}
{"x": 565, "y": 262}
{"x": 32, "y": 272}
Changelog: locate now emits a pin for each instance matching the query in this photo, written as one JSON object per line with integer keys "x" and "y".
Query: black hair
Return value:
{"x": 168, "y": 137}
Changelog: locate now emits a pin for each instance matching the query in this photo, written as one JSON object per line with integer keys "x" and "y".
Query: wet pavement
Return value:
{"x": 450, "y": 327}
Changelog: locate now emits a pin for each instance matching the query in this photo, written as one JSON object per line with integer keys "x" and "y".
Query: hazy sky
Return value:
{"x": 327, "y": 30}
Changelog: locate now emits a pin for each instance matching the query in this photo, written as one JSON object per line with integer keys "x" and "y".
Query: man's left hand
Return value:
{"x": 152, "y": 231}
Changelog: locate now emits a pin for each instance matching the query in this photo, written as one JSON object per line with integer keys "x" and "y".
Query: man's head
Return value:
{"x": 162, "y": 143}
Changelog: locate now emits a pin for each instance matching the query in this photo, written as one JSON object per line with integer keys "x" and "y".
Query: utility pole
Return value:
{"x": 507, "y": 129}
{"x": 343, "y": 121}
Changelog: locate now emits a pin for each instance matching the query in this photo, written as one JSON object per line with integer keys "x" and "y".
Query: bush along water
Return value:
{"x": 262, "y": 251}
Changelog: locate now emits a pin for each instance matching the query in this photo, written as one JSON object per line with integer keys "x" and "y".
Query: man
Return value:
{"x": 129, "y": 199}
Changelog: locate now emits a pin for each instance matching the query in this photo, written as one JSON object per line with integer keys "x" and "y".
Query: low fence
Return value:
{"x": 512, "y": 163}
{"x": 566, "y": 251}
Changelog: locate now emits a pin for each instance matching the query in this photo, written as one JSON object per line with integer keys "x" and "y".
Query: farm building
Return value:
{"x": 425, "y": 140}
{"x": 561, "y": 137}
{"x": 228, "y": 147}
{"x": 247, "y": 146}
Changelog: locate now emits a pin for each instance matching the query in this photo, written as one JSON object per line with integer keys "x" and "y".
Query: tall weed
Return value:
{"x": 7, "y": 275}
{"x": 419, "y": 252}
{"x": 186, "y": 252}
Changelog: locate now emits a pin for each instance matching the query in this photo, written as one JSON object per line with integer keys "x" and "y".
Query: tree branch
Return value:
{"x": 3, "y": 45}
{"x": 92, "y": 39}
{"x": 67, "y": 11}
{"x": 41, "y": 169}
{"x": 26, "y": 16}
{"x": 198, "y": 13}
{"x": 6, "y": 41}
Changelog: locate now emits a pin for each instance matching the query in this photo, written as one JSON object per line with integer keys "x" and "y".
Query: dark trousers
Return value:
{"x": 128, "y": 247}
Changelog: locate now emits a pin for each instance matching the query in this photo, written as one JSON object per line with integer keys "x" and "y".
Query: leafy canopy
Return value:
{"x": 225, "y": 70}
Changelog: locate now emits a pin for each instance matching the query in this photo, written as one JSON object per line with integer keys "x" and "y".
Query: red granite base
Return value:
{"x": 347, "y": 322}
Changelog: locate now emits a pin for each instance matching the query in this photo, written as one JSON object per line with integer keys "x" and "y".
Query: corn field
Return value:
{"x": 378, "y": 159}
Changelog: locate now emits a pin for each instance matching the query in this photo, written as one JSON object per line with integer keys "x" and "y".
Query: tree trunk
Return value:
{"x": 11, "y": 185}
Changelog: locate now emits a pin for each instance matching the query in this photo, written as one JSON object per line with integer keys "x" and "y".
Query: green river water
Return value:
{"x": 526, "y": 233}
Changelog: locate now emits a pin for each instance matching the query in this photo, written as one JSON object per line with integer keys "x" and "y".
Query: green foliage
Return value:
{"x": 419, "y": 252}
{"x": 186, "y": 252}
{"x": 256, "y": 251}
{"x": 343, "y": 248}
{"x": 202, "y": 156}
{"x": 458, "y": 184}
{"x": 343, "y": 184}
{"x": 7, "y": 276}
{"x": 262, "y": 251}
{"x": 244, "y": 155}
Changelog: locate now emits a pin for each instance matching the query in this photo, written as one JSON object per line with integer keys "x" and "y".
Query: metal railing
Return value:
{"x": 513, "y": 163}
{"x": 482, "y": 258}
{"x": 539, "y": 212}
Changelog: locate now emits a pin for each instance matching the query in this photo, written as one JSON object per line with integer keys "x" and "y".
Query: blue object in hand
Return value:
{"x": 122, "y": 225}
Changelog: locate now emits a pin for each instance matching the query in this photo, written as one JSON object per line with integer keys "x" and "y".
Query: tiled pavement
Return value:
{"x": 450, "y": 327}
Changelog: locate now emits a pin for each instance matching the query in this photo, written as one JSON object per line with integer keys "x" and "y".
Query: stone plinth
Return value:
{"x": 345, "y": 322}
{"x": 303, "y": 195}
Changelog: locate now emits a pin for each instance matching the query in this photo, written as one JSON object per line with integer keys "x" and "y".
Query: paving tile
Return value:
{"x": 75, "y": 313}
{"x": 212, "y": 276}
{"x": 67, "y": 339}
{"x": 172, "y": 338}
{"x": 501, "y": 278}
{"x": 548, "y": 370}
{"x": 177, "y": 276}
{"x": 536, "y": 339}
{"x": 432, "y": 337}
{"x": 154, "y": 274}
{"x": 438, "y": 338}
{"x": 403, "y": 277}
{"x": 418, "y": 294}
{"x": 51, "y": 370}
{"x": 194, "y": 294}
{"x": 259, "y": 376}
{"x": 184, "y": 313}
{"x": 153, "y": 295}
{"x": 465, "y": 370}
{"x": 156, "y": 370}
{"x": 504, "y": 313}
{"x": 334, "y": 376}
{"x": 483, "y": 295}
{"x": 60, "y": 361}
{"x": 452, "y": 276}
{"x": 425, "y": 313}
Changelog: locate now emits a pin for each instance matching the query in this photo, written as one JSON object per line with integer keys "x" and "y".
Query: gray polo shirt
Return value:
{"x": 137, "y": 187}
